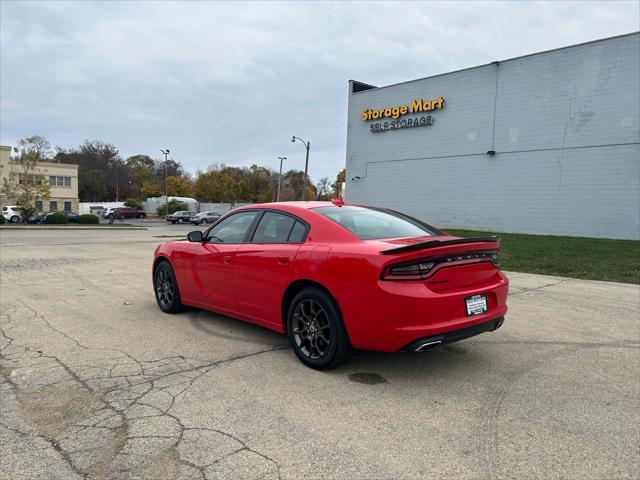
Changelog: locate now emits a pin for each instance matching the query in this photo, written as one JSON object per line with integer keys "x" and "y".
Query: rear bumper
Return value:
{"x": 426, "y": 343}
{"x": 388, "y": 316}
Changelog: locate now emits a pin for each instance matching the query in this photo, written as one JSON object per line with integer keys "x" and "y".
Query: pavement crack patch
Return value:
{"x": 533, "y": 289}
{"x": 110, "y": 415}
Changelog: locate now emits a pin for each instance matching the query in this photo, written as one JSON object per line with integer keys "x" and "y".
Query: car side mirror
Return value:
{"x": 195, "y": 236}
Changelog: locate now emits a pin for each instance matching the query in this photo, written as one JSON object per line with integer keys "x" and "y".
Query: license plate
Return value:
{"x": 476, "y": 304}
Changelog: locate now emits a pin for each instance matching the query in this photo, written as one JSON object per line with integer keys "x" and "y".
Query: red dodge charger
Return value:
{"x": 333, "y": 277}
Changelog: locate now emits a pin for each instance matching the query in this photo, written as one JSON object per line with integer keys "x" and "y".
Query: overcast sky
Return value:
{"x": 231, "y": 82}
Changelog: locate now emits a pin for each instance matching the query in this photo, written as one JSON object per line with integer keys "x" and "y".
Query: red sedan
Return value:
{"x": 333, "y": 277}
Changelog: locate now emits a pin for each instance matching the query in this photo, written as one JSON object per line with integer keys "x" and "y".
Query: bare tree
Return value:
{"x": 324, "y": 188}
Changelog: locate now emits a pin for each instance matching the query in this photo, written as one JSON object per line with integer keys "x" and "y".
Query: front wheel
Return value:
{"x": 203, "y": 222}
{"x": 315, "y": 330}
{"x": 166, "y": 288}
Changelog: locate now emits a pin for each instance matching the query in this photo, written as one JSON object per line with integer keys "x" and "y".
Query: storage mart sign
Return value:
{"x": 394, "y": 115}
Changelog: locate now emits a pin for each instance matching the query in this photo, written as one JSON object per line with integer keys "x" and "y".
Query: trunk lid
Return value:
{"x": 442, "y": 263}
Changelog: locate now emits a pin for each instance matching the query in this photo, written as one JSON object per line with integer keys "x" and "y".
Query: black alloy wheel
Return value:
{"x": 166, "y": 288}
{"x": 315, "y": 330}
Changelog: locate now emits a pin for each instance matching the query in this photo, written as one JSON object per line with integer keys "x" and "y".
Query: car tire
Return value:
{"x": 165, "y": 287}
{"x": 173, "y": 222}
{"x": 110, "y": 216}
{"x": 316, "y": 331}
{"x": 15, "y": 219}
{"x": 203, "y": 222}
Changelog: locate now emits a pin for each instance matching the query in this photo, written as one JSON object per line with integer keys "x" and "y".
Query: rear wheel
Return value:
{"x": 315, "y": 330}
{"x": 166, "y": 288}
{"x": 15, "y": 219}
{"x": 203, "y": 221}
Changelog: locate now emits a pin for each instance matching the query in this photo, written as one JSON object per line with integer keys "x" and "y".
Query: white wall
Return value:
{"x": 84, "y": 207}
{"x": 567, "y": 142}
{"x": 220, "y": 208}
{"x": 150, "y": 205}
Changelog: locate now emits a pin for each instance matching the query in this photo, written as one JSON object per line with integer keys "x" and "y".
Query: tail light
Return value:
{"x": 422, "y": 268}
{"x": 412, "y": 271}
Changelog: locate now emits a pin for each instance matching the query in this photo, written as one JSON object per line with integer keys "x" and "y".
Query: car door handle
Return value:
{"x": 226, "y": 259}
{"x": 283, "y": 260}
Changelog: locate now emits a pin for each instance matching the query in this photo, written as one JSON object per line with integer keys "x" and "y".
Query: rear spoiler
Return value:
{"x": 440, "y": 243}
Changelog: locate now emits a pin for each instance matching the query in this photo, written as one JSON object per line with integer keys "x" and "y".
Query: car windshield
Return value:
{"x": 371, "y": 223}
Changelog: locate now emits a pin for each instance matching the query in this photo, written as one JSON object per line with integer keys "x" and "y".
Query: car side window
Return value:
{"x": 298, "y": 232}
{"x": 273, "y": 228}
{"x": 232, "y": 229}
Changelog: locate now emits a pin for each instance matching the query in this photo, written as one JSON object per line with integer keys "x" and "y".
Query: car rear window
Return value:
{"x": 371, "y": 223}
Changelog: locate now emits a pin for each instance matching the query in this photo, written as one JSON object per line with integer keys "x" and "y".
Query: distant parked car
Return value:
{"x": 203, "y": 218}
{"x": 183, "y": 216}
{"x": 11, "y": 213}
{"x": 107, "y": 211}
{"x": 37, "y": 217}
{"x": 72, "y": 216}
{"x": 126, "y": 212}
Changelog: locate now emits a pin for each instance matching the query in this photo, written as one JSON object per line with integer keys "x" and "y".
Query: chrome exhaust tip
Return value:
{"x": 427, "y": 346}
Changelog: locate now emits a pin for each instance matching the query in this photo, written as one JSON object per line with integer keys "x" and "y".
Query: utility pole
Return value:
{"x": 280, "y": 178}
{"x": 166, "y": 182}
{"x": 306, "y": 166}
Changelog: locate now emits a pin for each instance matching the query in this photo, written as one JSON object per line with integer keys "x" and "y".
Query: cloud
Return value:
{"x": 231, "y": 82}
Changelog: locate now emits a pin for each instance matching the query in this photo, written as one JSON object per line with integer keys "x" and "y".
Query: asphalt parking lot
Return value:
{"x": 98, "y": 383}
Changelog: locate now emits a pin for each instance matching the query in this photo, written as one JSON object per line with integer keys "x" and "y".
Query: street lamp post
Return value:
{"x": 306, "y": 165}
{"x": 166, "y": 182}
{"x": 280, "y": 177}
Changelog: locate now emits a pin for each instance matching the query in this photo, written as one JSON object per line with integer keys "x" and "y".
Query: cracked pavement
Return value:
{"x": 95, "y": 382}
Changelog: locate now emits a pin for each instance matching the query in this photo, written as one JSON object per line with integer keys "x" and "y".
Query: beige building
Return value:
{"x": 62, "y": 178}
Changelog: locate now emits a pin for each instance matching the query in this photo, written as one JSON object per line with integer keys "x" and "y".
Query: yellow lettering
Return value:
{"x": 416, "y": 106}
{"x": 419, "y": 105}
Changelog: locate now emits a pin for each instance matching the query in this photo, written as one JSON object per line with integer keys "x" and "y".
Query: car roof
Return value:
{"x": 291, "y": 206}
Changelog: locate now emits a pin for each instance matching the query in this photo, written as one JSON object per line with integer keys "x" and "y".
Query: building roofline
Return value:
{"x": 495, "y": 62}
{"x": 57, "y": 164}
{"x": 50, "y": 164}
